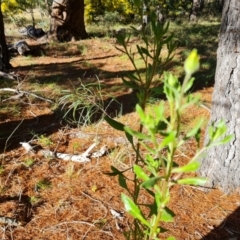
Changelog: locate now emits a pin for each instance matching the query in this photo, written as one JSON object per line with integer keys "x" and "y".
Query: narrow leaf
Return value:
{"x": 192, "y": 181}
{"x": 150, "y": 182}
{"x": 140, "y": 112}
{"x": 129, "y": 138}
{"x": 189, "y": 85}
{"x": 133, "y": 209}
{"x": 113, "y": 123}
{"x": 191, "y": 167}
{"x": 130, "y": 84}
{"x": 168, "y": 139}
{"x": 140, "y": 172}
{"x": 146, "y": 52}
{"x": 227, "y": 139}
{"x": 167, "y": 215}
{"x": 136, "y": 134}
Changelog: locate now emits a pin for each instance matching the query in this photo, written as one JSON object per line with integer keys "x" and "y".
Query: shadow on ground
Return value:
{"x": 229, "y": 229}
{"x": 13, "y": 132}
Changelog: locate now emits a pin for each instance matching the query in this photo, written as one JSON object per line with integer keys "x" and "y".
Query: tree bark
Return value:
{"x": 4, "y": 56}
{"x": 197, "y": 6}
{"x": 221, "y": 165}
{"x": 67, "y": 20}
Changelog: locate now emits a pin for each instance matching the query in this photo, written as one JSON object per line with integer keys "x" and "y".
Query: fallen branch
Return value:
{"x": 16, "y": 97}
{"x": 24, "y": 93}
{"x": 8, "y": 75}
{"x": 81, "y": 158}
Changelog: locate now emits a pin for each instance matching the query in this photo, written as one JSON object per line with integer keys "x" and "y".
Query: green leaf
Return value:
{"x": 196, "y": 131}
{"x": 162, "y": 125}
{"x": 146, "y": 52}
{"x": 133, "y": 209}
{"x": 140, "y": 112}
{"x": 140, "y": 51}
{"x": 115, "y": 124}
{"x": 150, "y": 182}
{"x": 130, "y": 84}
{"x": 168, "y": 39}
{"x": 167, "y": 215}
{"x": 140, "y": 173}
{"x": 171, "y": 238}
{"x": 168, "y": 139}
{"x": 121, "y": 39}
{"x": 157, "y": 90}
{"x": 159, "y": 111}
{"x": 220, "y": 130}
{"x": 136, "y": 133}
{"x": 227, "y": 139}
{"x": 132, "y": 76}
{"x": 129, "y": 138}
{"x": 191, "y": 167}
{"x": 192, "y": 181}
{"x": 189, "y": 85}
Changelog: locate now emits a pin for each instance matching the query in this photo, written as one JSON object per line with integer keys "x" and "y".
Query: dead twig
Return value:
{"x": 5, "y": 147}
{"x": 8, "y": 75}
{"x": 25, "y": 93}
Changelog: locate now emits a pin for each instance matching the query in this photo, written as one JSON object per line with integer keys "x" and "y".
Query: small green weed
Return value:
{"x": 85, "y": 104}
{"x": 28, "y": 162}
{"x": 43, "y": 184}
{"x": 45, "y": 141}
{"x": 34, "y": 200}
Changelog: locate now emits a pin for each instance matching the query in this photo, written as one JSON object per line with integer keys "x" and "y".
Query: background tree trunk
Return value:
{"x": 222, "y": 163}
{"x": 197, "y": 6}
{"x": 67, "y": 20}
{"x": 4, "y": 56}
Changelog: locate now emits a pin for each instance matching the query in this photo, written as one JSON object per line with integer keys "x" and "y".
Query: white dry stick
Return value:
{"x": 100, "y": 153}
{"x": 86, "y": 153}
{"x": 27, "y": 146}
{"x": 66, "y": 157}
{"x": 116, "y": 214}
{"x": 24, "y": 92}
{"x": 9, "y": 221}
{"x": 81, "y": 158}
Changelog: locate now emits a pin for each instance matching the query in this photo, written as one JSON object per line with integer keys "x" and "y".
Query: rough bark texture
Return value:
{"x": 222, "y": 164}
{"x": 67, "y": 20}
{"x": 4, "y": 57}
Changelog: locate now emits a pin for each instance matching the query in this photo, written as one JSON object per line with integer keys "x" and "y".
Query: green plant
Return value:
{"x": 85, "y": 103}
{"x": 45, "y": 141}
{"x": 28, "y": 162}
{"x": 43, "y": 184}
{"x": 34, "y": 200}
{"x": 159, "y": 135}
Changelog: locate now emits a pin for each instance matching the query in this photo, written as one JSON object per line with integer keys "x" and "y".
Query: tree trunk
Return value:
{"x": 67, "y": 20}
{"x": 4, "y": 57}
{"x": 221, "y": 165}
{"x": 197, "y": 6}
